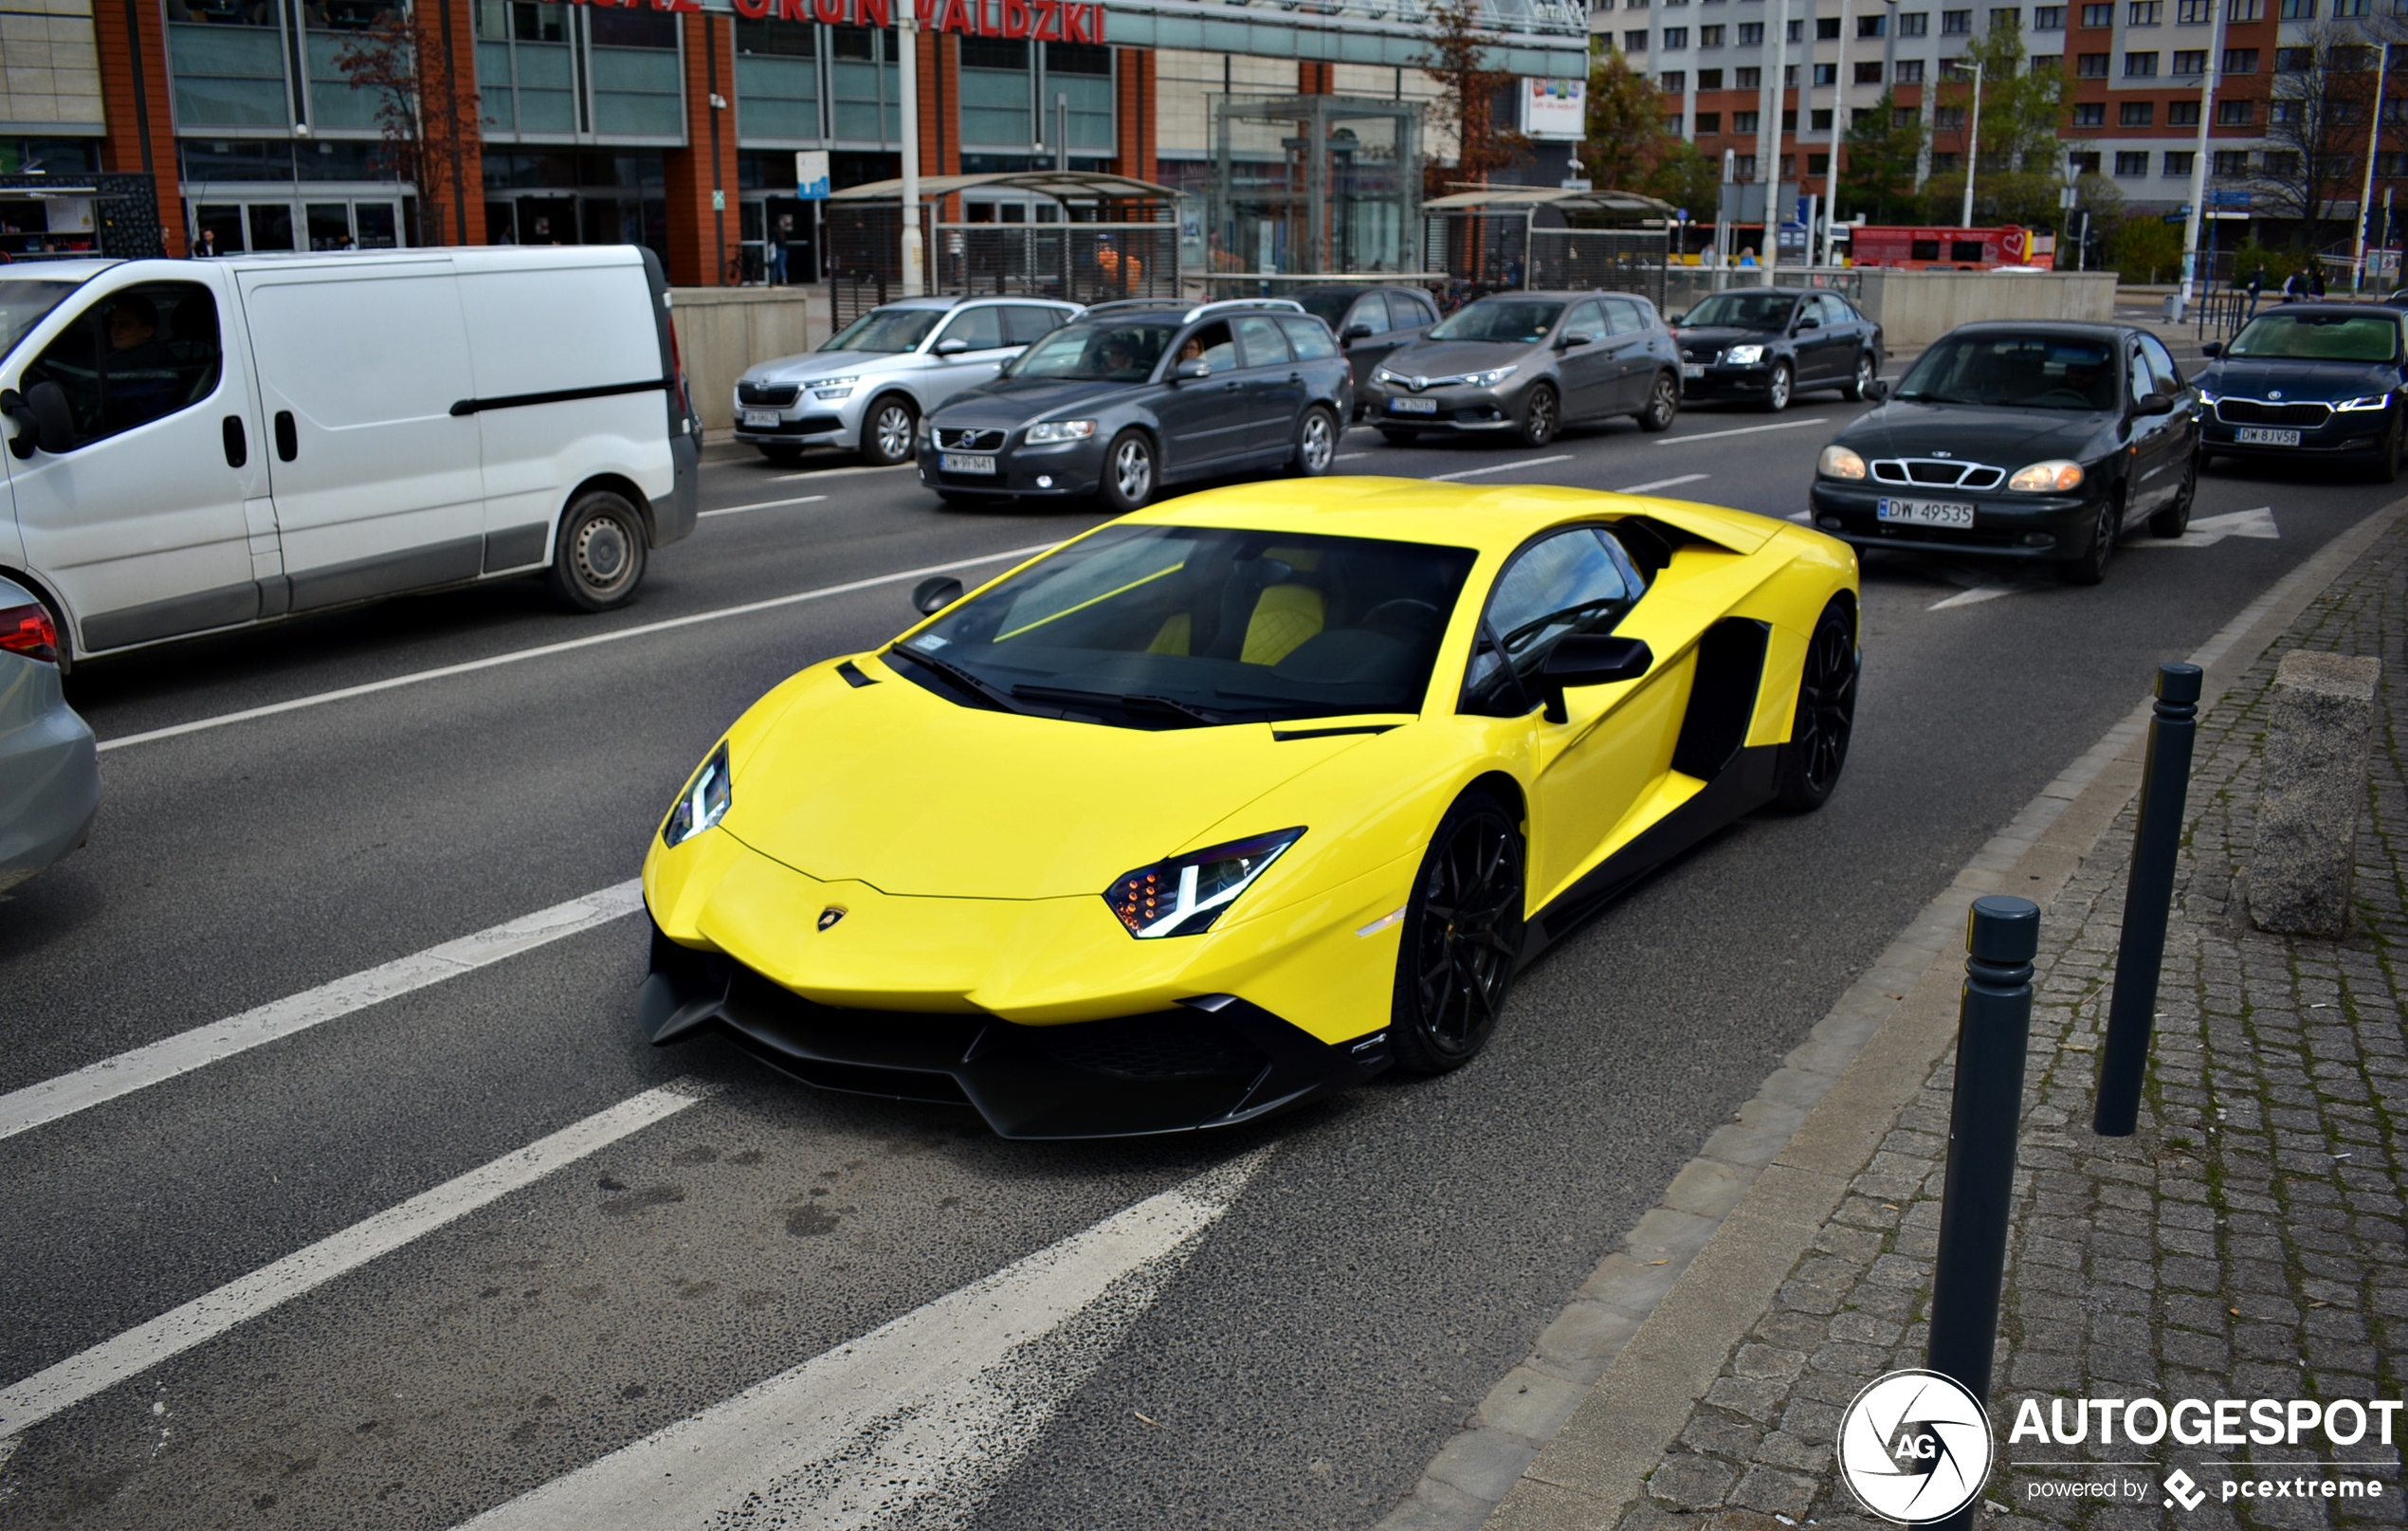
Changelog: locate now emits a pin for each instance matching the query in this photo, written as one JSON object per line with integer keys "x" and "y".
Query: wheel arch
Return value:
{"x": 59, "y": 616}
{"x": 617, "y": 483}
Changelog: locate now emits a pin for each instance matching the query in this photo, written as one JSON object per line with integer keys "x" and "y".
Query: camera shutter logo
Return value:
{"x": 1915, "y": 1447}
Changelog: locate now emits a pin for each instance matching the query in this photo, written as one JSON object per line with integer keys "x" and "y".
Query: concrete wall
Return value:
{"x": 1918, "y": 307}
{"x": 721, "y": 331}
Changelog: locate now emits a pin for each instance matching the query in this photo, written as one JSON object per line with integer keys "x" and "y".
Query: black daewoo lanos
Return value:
{"x": 2036, "y": 442}
{"x": 2309, "y": 380}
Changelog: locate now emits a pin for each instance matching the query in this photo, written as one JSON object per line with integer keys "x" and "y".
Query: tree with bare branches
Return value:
{"x": 1468, "y": 90}
{"x": 426, "y": 110}
{"x": 2320, "y": 120}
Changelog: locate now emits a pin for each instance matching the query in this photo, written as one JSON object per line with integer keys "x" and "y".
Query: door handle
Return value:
{"x": 287, "y": 436}
{"x": 238, "y": 451}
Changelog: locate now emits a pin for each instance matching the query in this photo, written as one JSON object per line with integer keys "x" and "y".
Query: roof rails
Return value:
{"x": 1279, "y": 306}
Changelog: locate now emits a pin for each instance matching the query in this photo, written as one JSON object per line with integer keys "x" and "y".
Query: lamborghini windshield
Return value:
{"x": 1177, "y": 627}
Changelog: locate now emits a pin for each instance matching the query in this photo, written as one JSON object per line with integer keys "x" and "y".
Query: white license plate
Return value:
{"x": 1413, "y": 405}
{"x": 1924, "y": 512}
{"x": 966, "y": 463}
{"x": 1692, "y": 369}
{"x": 762, "y": 418}
{"x": 2265, "y": 436}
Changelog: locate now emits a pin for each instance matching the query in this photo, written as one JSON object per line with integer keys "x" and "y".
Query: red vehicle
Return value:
{"x": 1950, "y": 249}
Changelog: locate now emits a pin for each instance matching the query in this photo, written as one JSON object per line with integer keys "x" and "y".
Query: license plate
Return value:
{"x": 2265, "y": 436}
{"x": 1692, "y": 369}
{"x": 1924, "y": 512}
{"x": 966, "y": 463}
{"x": 767, "y": 418}
{"x": 1413, "y": 405}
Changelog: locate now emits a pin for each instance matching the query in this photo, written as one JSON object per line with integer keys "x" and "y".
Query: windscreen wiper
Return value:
{"x": 1135, "y": 701}
{"x": 994, "y": 697}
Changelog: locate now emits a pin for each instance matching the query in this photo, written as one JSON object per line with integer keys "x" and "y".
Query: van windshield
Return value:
{"x": 886, "y": 330}
{"x": 23, "y": 301}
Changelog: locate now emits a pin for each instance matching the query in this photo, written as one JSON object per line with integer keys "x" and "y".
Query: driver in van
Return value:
{"x": 142, "y": 368}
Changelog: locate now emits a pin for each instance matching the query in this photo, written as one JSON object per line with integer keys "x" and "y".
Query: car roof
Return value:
{"x": 2060, "y": 326}
{"x": 1186, "y": 312}
{"x": 1495, "y": 519}
{"x": 2323, "y": 306}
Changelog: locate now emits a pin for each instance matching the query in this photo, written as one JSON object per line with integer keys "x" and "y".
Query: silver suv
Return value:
{"x": 868, "y": 386}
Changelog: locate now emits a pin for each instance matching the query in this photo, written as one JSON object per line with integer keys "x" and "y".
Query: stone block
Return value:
{"x": 2320, "y": 726}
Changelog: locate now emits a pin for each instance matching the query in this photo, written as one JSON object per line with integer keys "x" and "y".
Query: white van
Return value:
{"x": 195, "y": 446}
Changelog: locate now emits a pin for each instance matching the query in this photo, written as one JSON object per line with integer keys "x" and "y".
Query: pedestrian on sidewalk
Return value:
{"x": 2316, "y": 279}
{"x": 2256, "y": 286}
{"x": 2293, "y": 290}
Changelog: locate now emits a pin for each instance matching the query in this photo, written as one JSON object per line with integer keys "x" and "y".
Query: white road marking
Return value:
{"x": 837, "y": 472}
{"x": 1663, "y": 483}
{"x": 1500, "y": 467}
{"x": 545, "y": 651}
{"x": 77, "y": 1377}
{"x": 2209, "y": 529}
{"x": 1745, "y": 430}
{"x": 766, "y": 504}
{"x": 1977, "y": 595}
{"x": 158, "y": 1061}
{"x": 915, "y": 1423}
{"x": 1348, "y": 457}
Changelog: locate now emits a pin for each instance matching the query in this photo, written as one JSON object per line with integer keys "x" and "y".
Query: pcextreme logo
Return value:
{"x": 1914, "y": 1446}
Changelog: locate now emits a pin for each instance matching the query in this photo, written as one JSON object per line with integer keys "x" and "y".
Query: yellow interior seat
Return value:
{"x": 1173, "y": 638}
{"x": 1285, "y": 616}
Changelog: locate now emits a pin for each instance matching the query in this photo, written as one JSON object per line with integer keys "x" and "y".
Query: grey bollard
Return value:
{"x": 2316, "y": 754}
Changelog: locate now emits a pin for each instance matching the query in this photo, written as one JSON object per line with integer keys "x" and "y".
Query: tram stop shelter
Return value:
{"x": 1497, "y": 238}
{"x": 1087, "y": 237}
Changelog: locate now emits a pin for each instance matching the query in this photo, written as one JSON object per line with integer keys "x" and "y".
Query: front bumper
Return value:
{"x": 1451, "y": 408}
{"x": 1720, "y": 381}
{"x": 2342, "y": 434}
{"x": 1054, "y": 470}
{"x": 1215, "y": 1061}
{"x": 807, "y": 422}
{"x": 2041, "y": 528}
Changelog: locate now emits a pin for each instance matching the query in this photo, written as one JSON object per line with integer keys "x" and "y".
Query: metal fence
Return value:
{"x": 1085, "y": 263}
{"x": 1484, "y": 252}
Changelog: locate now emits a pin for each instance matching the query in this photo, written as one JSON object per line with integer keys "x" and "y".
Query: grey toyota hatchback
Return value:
{"x": 1524, "y": 364}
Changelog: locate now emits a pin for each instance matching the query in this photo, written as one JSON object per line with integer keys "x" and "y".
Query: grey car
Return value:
{"x": 869, "y": 387}
{"x": 1524, "y": 364}
{"x": 49, "y": 772}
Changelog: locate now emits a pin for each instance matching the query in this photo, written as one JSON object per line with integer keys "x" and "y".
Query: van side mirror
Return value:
{"x": 43, "y": 421}
{"x": 952, "y": 347}
{"x": 1590, "y": 659}
{"x": 1193, "y": 367}
{"x": 932, "y": 595}
{"x": 26, "y": 437}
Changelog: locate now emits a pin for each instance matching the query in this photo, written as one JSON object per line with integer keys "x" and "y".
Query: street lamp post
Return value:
{"x": 907, "y": 94}
{"x": 1973, "y": 145}
{"x": 1768, "y": 161}
{"x": 2374, "y": 143}
{"x": 1831, "y": 164}
{"x": 2198, "y": 167}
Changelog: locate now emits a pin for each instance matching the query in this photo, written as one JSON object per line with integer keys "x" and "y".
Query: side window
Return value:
{"x": 1311, "y": 342}
{"x": 1404, "y": 313}
{"x": 1025, "y": 324}
{"x": 1211, "y": 345}
{"x": 2137, "y": 373}
{"x": 1370, "y": 313}
{"x": 1840, "y": 310}
{"x": 982, "y": 328}
{"x": 1624, "y": 317}
{"x": 1262, "y": 342}
{"x": 2164, "y": 375}
{"x": 1575, "y": 581}
{"x": 134, "y": 357}
{"x": 1585, "y": 320}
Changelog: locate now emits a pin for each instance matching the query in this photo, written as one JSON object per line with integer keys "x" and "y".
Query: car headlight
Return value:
{"x": 1045, "y": 430}
{"x": 1491, "y": 377}
{"x": 2372, "y": 401}
{"x": 2054, "y": 477}
{"x": 1184, "y": 894}
{"x": 1744, "y": 355}
{"x": 1382, "y": 374}
{"x": 702, "y": 803}
{"x": 1837, "y": 462}
{"x": 831, "y": 393}
{"x": 845, "y": 381}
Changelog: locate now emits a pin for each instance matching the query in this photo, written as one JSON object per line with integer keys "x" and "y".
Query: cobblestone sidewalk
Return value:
{"x": 2247, "y": 1242}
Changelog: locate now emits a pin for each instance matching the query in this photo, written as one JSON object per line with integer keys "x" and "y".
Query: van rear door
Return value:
{"x": 376, "y": 482}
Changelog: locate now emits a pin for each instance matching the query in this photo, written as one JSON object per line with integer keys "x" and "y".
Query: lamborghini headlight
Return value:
{"x": 1838, "y": 461}
{"x": 1744, "y": 356}
{"x": 702, "y": 803}
{"x": 1050, "y": 431}
{"x": 2054, "y": 477}
{"x": 2372, "y": 401}
{"x": 1184, "y": 894}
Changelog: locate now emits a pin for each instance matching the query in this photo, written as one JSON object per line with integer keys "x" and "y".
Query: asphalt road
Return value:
{"x": 1291, "y": 1359}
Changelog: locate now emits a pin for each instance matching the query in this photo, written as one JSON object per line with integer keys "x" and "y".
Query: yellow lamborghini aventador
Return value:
{"x": 1241, "y": 798}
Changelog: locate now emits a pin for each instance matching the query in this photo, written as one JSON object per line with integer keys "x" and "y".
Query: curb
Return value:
{"x": 1567, "y": 1438}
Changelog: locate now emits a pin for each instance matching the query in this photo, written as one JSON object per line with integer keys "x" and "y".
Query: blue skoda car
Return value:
{"x": 2309, "y": 380}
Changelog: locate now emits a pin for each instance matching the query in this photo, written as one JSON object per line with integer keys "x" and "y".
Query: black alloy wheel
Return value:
{"x": 2386, "y": 469}
{"x": 2176, "y": 519}
{"x": 1861, "y": 381}
{"x": 1663, "y": 404}
{"x": 1128, "y": 472}
{"x": 1539, "y": 418}
{"x": 886, "y": 433}
{"x": 1316, "y": 444}
{"x": 1809, "y": 765}
{"x": 599, "y": 559}
{"x": 1776, "y": 391}
{"x": 2091, "y": 567}
{"x": 1462, "y": 938}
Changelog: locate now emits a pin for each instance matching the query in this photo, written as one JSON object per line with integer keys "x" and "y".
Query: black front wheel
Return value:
{"x": 2386, "y": 463}
{"x": 1539, "y": 416}
{"x": 1860, "y": 382}
{"x": 1462, "y": 938}
{"x": 1809, "y": 765}
{"x": 2176, "y": 519}
{"x": 1663, "y": 404}
{"x": 1128, "y": 472}
{"x": 2090, "y": 566}
{"x": 1778, "y": 389}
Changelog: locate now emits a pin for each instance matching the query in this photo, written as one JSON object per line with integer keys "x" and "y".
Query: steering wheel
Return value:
{"x": 2075, "y": 394}
{"x": 1401, "y": 605}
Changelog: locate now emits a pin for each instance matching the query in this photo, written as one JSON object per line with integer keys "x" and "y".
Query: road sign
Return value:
{"x": 810, "y": 173}
{"x": 2065, "y": 198}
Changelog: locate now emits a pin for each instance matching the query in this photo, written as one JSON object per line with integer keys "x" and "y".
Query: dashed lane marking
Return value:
{"x": 836, "y": 472}
{"x": 1663, "y": 483}
{"x": 1500, "y": 467}
{"x": 77, "y": 1377}
{"x": 766, "y": 504}
{"x": 1747, "y": 430}
{"x": 915, "y": 1423}
{"x": 545, "y": 651}
{"x": 158, "y": 1062}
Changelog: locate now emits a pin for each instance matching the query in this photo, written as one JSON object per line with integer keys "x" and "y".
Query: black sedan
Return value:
{"x": 2036, "y": 442}
{"x": 2309, "y": 380}
{"x": 1133, "y": 396}
{"x": 1763, "y": 345}
{"x": 1371, "y": 322}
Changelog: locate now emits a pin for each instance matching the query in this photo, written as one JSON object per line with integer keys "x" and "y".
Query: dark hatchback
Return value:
{"x": 2309, "y": 380}
{"x": 2038, "y": 442}
{"x": 1371, "y": 322}
{"x": 1133, "y": 396}
{"x": 1764, "y": 345}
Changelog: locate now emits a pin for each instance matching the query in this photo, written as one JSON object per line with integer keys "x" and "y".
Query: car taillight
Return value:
{"x": 27, "y": 630}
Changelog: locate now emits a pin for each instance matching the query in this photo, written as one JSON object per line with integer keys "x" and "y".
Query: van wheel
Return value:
{"x": 600, "y": 557}
{"x": 886, "y": 433}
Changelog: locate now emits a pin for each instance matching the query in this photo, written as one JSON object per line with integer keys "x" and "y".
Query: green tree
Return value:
{"x": 2147, "y": 248}
{"x": 1877, "y": 174}
{"x": 1686, "y": 177}
{"x": 1470, "y": 87}
{"x": 1625, "y": 123}
{"x": 2023, "y": 111}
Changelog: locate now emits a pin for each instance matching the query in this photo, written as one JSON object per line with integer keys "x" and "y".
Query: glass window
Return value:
{"x": 1310, "y": 340}
{"x": 1024, "y": 323}
{"x": 2164, "y": 375}
{"x": 1586, "y": 322}
{"x": 982, "y": 327}
{"x": 777, "y": 80}
{"x": 24, "y": 301}
{"x": 1578, "y": 581}
{"x": 1263, "y": 343}
{"x": 1121, "y": 353}
{"x": 886, "y": 330}
{"x": 1082, "y": 73}
{"x": 1405, "y": 311}
{"x": 637, "y": 89}
{"x": 2327, "y": 336}
{"x": 1743, "y": 311}
{"x": 1526, "y": 320}
{"x": 996, "y": 93}
{"x": 1370, "y": 311}
{"x": 2056, "y": 373}
{"x": 1622, "y": 317}
{"x": 228, "y": 64}
{"x": 134, "y": 357}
